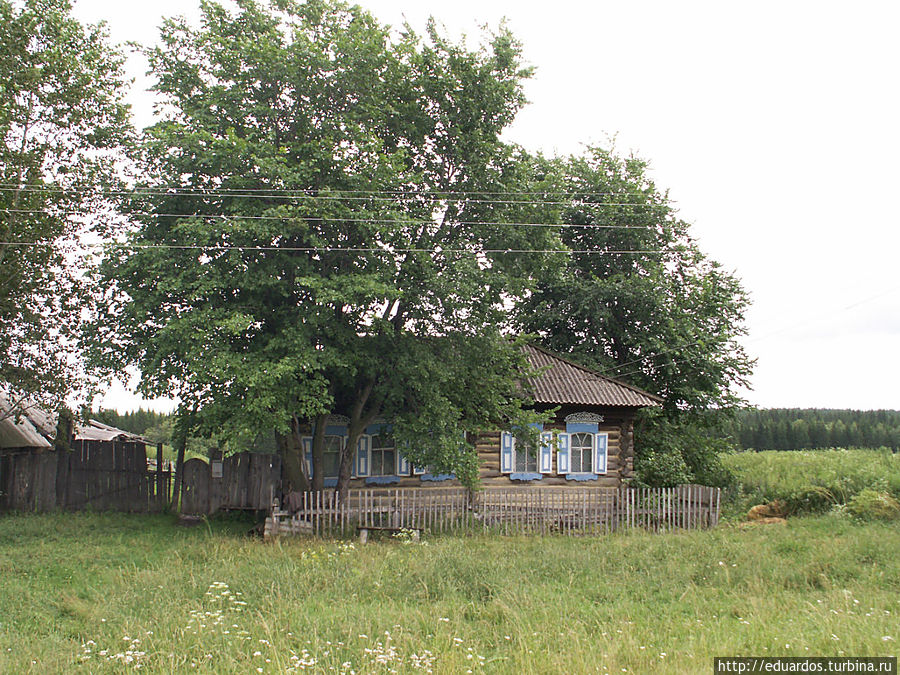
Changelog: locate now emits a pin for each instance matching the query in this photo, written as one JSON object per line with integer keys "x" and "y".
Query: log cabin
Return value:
{"x": 589, "y": 441}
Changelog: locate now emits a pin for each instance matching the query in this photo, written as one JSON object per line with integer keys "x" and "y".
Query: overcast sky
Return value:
{"x": 775, "y": 127}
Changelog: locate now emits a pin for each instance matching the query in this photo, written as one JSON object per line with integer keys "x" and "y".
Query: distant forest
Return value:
{"x": 154, "y": 426}
{"x": 800, "y": 429}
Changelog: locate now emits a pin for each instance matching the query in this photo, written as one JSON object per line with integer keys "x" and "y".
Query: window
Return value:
{"x": 525, "y": 458}
{"x": 383, "y": 455}
{"x": 582, "y": 453}
{"x": 332, "y": 463}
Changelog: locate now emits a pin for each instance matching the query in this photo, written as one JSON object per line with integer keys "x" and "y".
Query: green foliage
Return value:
{"x": 640, "y": 301}
{"x": 349, "y": 163}
{"x": 811, "y": 481}
{"x": 871, "y": 504}
{"x": 661, "y": 469}
{"x": 62, "y": 124}
{"x": 661, "y": 315}
{"x": 77, "y": 585}
{"x": 142, "y": 422}
{"x": 680, "y": 445}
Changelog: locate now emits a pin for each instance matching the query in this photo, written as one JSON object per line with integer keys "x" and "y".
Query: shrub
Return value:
{"x": 811, "y": 481}
{"x": 873, "y": 505}
{"x": 670, "y": 452}
{"x": 661, "y": 469}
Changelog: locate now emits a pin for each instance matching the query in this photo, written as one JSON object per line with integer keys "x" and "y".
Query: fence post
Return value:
{"x": 159, "y": 476}
{"x": 718, "y": 504}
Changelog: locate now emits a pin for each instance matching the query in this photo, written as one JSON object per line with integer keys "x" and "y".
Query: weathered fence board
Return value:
{"x": 248, "y": 481}
{"x": 526, "y": 510}
{"x": 95, "y": 475}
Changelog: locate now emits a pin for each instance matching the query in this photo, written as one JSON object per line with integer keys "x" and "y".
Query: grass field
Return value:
{"x": 811, "y": 480}
{"x": 116, "y": 593}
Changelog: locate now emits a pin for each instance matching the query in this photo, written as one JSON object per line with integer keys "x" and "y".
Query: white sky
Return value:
{"x": 775, "y": 126}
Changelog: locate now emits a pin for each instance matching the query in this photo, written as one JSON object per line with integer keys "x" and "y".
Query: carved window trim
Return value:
{"x": 584, "y": 417}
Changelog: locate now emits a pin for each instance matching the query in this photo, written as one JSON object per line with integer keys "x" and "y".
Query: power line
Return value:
{"x": 681, "y": 361}
{"x": 178, "y": 189}
{"x": 818, "y": 316}
{"x": 326, "y": 219}
{"x": 800, "y": 324}
{"x": 318, "y": 197}
{"x": 648, "y": 356}
{"x": 336, "y": 249}
{"x": 339, "y": 198}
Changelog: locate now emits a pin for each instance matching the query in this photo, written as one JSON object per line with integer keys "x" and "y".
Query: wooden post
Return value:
{"x": 718, "y": 505}
{"x": 160, "y": 498}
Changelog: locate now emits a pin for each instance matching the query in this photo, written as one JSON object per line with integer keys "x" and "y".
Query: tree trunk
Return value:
{"x": 354, "y": 432}
{"x": 181, "y": 444}
{"x": 318, "y": 453}
{"x": 291, "y": 450}
{"x": 348, "y": 455}
{"x": 360, "y": 418}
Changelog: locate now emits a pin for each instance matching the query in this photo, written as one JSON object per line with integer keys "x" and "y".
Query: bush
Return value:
{"x": 873, "y": 505}
{"x": 660, "y": 469}
{"x": 669, "y": 452}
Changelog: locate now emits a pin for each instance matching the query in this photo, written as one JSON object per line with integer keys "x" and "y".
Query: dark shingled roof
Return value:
{"x": 562, "y": 381}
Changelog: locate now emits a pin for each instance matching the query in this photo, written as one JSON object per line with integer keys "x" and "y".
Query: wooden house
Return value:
{"x": 588, "y": 443}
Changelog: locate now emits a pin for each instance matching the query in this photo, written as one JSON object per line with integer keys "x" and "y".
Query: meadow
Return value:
{"x": 98, "y": 593}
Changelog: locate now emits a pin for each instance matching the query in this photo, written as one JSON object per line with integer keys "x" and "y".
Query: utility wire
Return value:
{"x": 648, "y": 356}
{"x": 338, "y": 219}
{"x": 180, "y": 189}
{"x": 799, "y": 324}
{"x": 334, "y": 249}
{"x": 323, "y": 197}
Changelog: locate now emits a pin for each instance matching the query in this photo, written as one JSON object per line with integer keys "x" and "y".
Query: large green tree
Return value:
{"x": 315, "y": 231}
{"x": 62, "y": 123}
{"x": 637, "y": 299}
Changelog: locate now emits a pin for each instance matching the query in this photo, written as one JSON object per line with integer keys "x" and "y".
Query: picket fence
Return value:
{"x": 529, "y": 510}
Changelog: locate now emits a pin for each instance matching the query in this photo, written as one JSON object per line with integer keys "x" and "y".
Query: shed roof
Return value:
{"x": 19, "y": 431}
{"x": 97, "y": 431}
{"x": 35, "y": 427}
{"x": 562, "y": 381}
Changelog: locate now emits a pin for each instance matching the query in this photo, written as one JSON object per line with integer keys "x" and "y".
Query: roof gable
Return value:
{"x": 562, "y": 381}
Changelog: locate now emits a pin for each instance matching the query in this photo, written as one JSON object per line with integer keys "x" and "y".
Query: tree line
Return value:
{"x": 147, "y": 423}
{"x": 802, "y": 429}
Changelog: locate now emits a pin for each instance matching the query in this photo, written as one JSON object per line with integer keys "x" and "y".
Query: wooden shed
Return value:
{"x": 589, "y": 442}
{"x": 105, "y": 467}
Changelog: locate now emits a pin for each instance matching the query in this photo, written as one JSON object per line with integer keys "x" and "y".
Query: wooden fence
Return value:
{"x": 96, "y": 475}
{"x": 244, "y": 481}
{"x": 504, "y": 510}
{"x": 115, "y": 476}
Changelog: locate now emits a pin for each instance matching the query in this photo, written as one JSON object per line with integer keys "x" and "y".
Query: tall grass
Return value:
{"x": 116, "y": 593}
{"x": 812, "y": 480}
